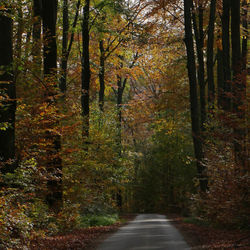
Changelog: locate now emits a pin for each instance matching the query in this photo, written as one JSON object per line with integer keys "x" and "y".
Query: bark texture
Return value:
{"x": 8, "y": 95}
{"x": 102, "y": 75}
{"x": 238, "y": 86}
{"x": 193, "y": 93}
{"x": 54, "y": 164}
{"x": 67, "y": 43}
{"x": 64, "y": 62}
{"x": 85, "y": 69}
{"x": 226, "y": 101}
{"x": 220, "y": 77}
{"x": 199, "y": 41}
{"x": 36, "y": 34}
{"x": 210, "y": 55}
{"x": 49, "y": 31}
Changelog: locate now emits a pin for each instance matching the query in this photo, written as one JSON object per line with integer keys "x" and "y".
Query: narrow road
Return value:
{"x": 146, "y": 232}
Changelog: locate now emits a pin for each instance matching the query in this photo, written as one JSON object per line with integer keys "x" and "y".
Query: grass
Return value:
{"x": 98, "y": 220}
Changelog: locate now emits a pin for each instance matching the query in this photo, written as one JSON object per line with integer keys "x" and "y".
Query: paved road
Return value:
{"x": 146, "y": 232}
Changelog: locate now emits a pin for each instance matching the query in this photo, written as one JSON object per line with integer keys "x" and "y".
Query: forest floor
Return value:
{"x": 85, "y": 238}
{"x": 197, "y": 236}
{"x": 206, "y": 237}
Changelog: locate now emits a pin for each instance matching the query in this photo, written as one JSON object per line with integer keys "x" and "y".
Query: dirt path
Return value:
{"x": 147, "y": 231}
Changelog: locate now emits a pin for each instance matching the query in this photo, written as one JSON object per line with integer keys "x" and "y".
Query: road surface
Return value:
{"x": 146, "y": 232}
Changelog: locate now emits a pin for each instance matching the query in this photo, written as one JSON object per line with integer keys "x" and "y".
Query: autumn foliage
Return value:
{"x": 110, "y": 106}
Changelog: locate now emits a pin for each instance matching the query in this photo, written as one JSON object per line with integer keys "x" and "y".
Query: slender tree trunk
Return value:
{"x": 120, "y": 89}
{"x": 102, "y": 76}
{"x": 238, "y": 86}
{"x": 7, "y": 96}
{"x": 121, "y": 85}
{"x": 245, "y": 73}
{"x": 210, "y": 55}
{"x": 193, "y": 93}
{"x": 67, "y": 45}
{"x": 199, "y": 41}
{"x": 201, "y": 70}
{"x": 236, "y": 54}
{"x": 36, "y": 34}
{"x": 64, "y": 62}
{"x": 85, "y": 69}
{"x": 54, "y": 164}
{"x": 220, "y": 77}
{"x": 245, "y": 35}
{"x": 119, "y": 199}
{"x": 226, "y": 102}
{"x": 18, "y": 46}
{"x": 27, "y": 49}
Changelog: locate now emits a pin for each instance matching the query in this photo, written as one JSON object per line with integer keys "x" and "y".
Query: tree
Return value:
{"x": 210, "y": 54}
{"x": 49, "y": 17}
{"x": 193, "y": 93}
{"x": 121, "y": 85}
{"x": 244, "y": 69}
{"x": 7, "y": 92}
{"x": 226, "y": 102}
{"x": 19, "y": 35}
{"x": 67, "y": 43}
{"x": 238, "y": 85}
{"x": 49, "y": 31}
{"x": 85, "y": 69}
{"x": 64, "y": 61}
{"x": 199, "y": 41}
{"x": 119, "y": 32}
{"x": 220, "y": 74}
{"x": 36, "y": 34}
{"x": 102, "y": 75}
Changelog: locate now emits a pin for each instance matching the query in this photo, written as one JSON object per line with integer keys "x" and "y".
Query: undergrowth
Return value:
{"x": 98, "y": 220}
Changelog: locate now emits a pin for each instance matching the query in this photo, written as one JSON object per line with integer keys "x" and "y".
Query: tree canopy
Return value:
{"x": 122, "y": 106}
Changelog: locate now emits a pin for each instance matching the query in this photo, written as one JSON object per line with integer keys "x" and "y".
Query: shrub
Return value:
{"x": 98, "y": 220}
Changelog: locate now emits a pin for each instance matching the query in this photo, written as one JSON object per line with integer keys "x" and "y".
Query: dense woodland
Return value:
{"x": 111, "y": 106}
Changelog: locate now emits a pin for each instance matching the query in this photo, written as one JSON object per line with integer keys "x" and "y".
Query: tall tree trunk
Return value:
{"x": 201, "y": 70}
{"x": 66, "y": 46}
{"x": 245, "y": 35}
{"x": 49, "y": 31}
{"x": 54, "y": 164}
{"x": 220, "y": 77}
{"x": 193, "y": 93}
{"x": 120, "y": 89}
{"x": 102, "y": 75}
{"x": 36, "y": 34}
{"x": 85, "y": 69}
{"x": 238, "y": 85}
{"x": 120, "y": 85}
{"x": 199, "y": 41}
{"x": 18, "y": 46}
{"x": 236, "y": 54}
{"x": 245, "y": 73}
{"x": 7, "y": 95}
{"x": 210, "y": 55}
{"x": 64, "y": 62}
{"x": 26, "y": 52}
{"x": 226, "y": 102}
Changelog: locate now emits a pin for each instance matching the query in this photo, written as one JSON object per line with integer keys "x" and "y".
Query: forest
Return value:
{"x": 122, "y": 106}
